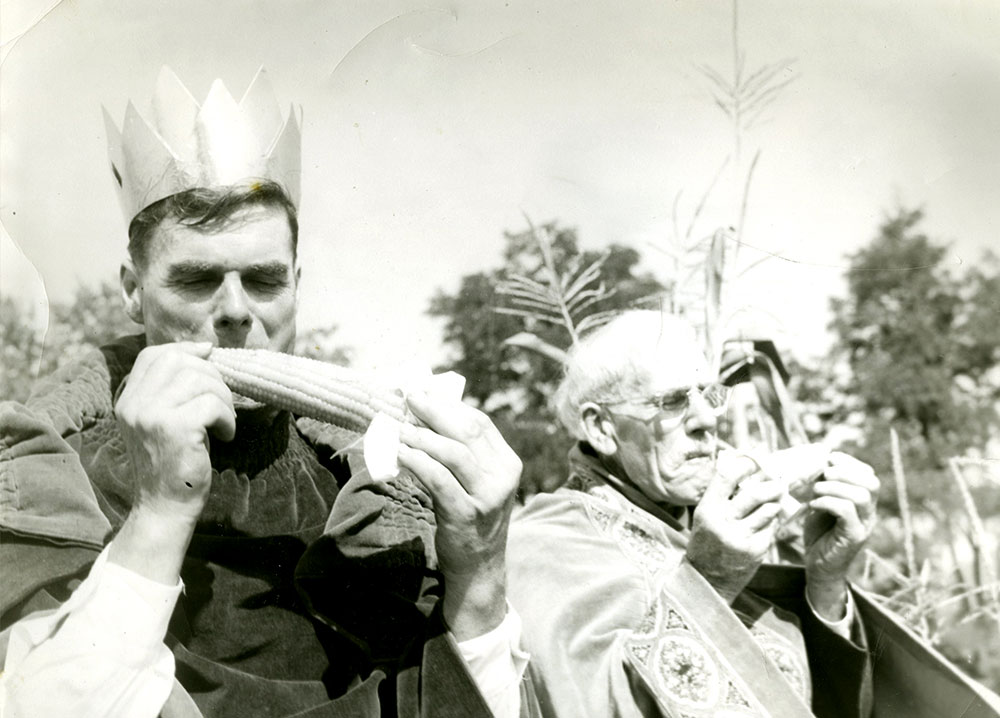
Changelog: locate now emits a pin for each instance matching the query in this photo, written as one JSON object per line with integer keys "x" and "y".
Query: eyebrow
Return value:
{"x": 276, "y": 270}
{"x": 194, "y": 267}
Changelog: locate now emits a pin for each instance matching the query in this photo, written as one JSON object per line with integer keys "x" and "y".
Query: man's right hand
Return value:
{"x": 732, "y": 531}
{"x": 171, "y": 401}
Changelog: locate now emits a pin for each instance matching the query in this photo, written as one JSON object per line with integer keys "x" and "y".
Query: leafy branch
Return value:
{"x": 565, "y": 299}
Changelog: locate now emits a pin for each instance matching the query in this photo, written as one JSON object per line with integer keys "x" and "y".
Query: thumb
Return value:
{"x": 198, "y": 349}
{"x": 731, "y": 467}
{"x": 725, "y": 480}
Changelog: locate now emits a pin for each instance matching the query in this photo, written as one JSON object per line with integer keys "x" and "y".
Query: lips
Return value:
{"x": 700, "y": 453}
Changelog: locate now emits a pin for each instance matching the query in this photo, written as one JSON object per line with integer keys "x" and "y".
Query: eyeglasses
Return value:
{"x": 674, "y": 405}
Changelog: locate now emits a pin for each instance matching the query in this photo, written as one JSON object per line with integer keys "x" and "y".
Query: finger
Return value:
{"x": 160, "y": 366}
{"x": 456, "y": 457}
{"x": 197, "y": 349}
{"x": 752, "y": 494}
{"x": 180, "y": 380}
{"x": 722, "y": 485}
{"x": 763, "y": 517}
{"x": 453, "y": 419}
{"x": 860, "y": 497}
{"x": 153, "y": 355}
{"x": 844, "y": 510}
{"x": 844, "y": 467}
{"x": 214, "y": 415}
{"x": 445, "y": 490}
{"x": 731, "y": 461}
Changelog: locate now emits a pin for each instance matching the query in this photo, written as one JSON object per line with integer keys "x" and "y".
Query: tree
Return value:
{"x": 512, "y": 382}
{"x": 93, "y": 316}
{"x": 921, "y": 343}
{"x": 21, "y": 350}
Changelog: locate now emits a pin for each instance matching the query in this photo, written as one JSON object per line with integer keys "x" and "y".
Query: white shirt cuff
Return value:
{"x": 101, "y": 653}
{"x": 842, "y": 627}
{"x": 497, "y": 664}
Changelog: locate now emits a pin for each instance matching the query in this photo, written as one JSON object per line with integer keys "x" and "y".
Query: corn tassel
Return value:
{"x": 307, "y": 387}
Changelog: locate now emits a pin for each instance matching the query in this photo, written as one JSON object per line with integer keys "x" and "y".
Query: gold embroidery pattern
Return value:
{"x": 783, "y": 654}
{"x": 683, "y": 670}
{"x": 641, "y": 547}
{"x": 611, "y": 514}
{"x": 676, "y": 662}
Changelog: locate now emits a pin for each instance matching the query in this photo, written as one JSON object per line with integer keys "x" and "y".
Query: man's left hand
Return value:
{"x": 841, "y": 519}
{"x": 472, "y": 475}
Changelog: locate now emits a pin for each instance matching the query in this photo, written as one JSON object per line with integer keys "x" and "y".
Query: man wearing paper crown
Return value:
{"x": 172, "y": 549}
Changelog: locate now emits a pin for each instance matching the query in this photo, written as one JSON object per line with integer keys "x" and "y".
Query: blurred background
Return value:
{"x": 814, "y": 185}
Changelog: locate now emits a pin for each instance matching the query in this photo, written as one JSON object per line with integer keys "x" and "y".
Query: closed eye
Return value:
{"x": 269, "y": 280}
{"x": 671, "y": 401}
{"x": 197, "y": 282}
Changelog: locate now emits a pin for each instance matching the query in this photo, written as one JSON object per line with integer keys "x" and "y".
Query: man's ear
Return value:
{"x": 598, "y": 428}
{"x": 131, "y": 288}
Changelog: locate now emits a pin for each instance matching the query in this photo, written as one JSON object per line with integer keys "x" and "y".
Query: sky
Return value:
{"x": 431, "y": 128}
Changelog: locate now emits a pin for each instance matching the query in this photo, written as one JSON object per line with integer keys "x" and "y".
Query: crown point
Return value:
{"x": 187, "y": 145}
{"x": 174, "y": 111}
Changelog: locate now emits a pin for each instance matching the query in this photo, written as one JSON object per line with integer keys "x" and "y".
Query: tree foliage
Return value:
{"x": 91, "y": 317}
{"x": 922, "y": 344}
{"x": 21, "y": 349}
{"x": 514, "y": 383}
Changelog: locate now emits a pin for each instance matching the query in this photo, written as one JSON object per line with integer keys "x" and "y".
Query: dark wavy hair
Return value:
{"x": 208, "y": 209}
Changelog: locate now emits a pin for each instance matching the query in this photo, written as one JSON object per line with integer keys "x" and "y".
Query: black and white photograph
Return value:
{"x": 500, "y": 359}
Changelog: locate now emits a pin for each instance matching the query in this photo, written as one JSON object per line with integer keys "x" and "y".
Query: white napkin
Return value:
{"x": 381, "y": 441}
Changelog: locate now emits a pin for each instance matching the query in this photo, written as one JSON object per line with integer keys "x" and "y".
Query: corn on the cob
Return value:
{"x": 307, "y": 387}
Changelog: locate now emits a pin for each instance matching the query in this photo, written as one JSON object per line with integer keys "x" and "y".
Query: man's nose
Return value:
{"x": 233, "y": 310}
{"x": 700, "y": 416}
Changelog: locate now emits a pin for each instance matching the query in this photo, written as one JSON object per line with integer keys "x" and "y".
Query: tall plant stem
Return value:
{"x": 904, "y": 513}
{"x": 984, "y": 562}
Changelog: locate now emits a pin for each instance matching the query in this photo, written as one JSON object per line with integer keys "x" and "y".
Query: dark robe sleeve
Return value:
{"x": 373, "y": 578}
{"x": 841, "y": 669}
{"x": 51, "y": 527}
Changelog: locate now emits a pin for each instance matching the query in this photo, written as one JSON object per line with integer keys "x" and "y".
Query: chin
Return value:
{"x": 687, "y": 483}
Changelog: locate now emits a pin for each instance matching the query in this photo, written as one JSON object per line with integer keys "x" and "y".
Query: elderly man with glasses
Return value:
{"x": 642, "y": 583}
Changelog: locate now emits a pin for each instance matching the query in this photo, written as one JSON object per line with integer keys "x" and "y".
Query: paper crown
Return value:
{"x": 187, "y": 145}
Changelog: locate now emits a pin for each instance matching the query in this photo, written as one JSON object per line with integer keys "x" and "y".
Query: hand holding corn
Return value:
{"x": 174, "y": 398}
{"x": 171, "y": 401}
{"x": 839, "y": 494}
{"x": 733, "y": 529}
{"x": 840, "y": 520}
{"x": 471, "y": 473}
{"x": 456, "y": 453}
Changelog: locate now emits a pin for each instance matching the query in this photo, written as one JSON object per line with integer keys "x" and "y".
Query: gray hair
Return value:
{"x": 612, "y": 362}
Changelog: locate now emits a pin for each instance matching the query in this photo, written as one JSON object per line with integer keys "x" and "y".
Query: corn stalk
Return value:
{"x": 902, "y": 497}
{"x": 565, "y": 299}
{"x": 743, "y": 96}
{"x": 984, "y": 561}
